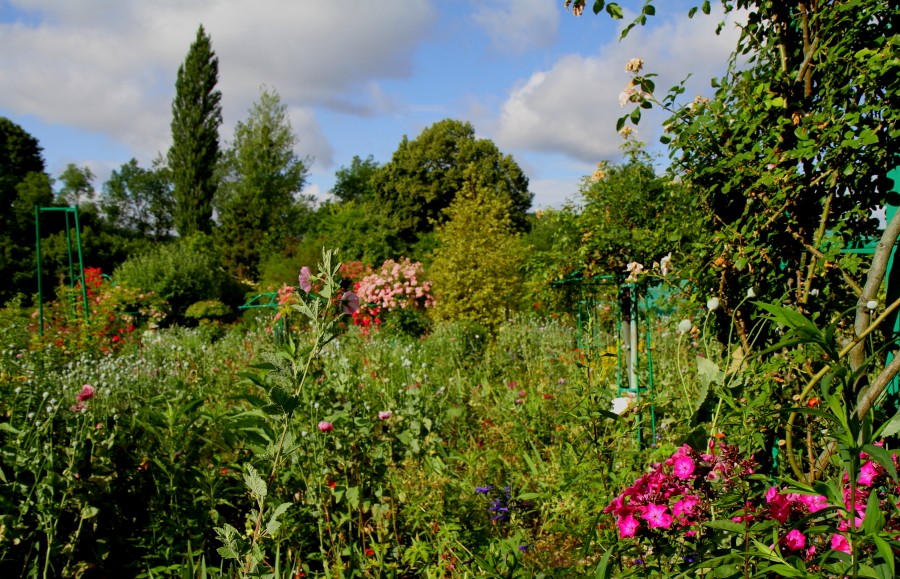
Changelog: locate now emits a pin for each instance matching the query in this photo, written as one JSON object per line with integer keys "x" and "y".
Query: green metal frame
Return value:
{"x": 588, "y": 335}
{"x": 67, "y": 211}
{"x": 267, "y": 300}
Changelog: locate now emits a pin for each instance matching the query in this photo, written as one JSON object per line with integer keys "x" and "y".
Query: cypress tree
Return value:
{"x": 196, "y": 116}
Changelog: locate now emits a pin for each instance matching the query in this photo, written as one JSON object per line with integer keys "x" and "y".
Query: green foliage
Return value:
{"x": 139, "y": 201}
{"x": 258, "y": 202}
{"x": 207, "y": 310}
{"x": 629, "y": 214}
{"x": 194, "y": 154}
{"x": 182, "y": 273}
{"x": 476, "y": 267}
{"x": 425, "y": 174}
{"x": 77, "y": 185}
{"x": 354, "y": 183}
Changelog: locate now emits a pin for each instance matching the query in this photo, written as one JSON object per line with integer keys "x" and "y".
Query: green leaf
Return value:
{"x": 692, "y": 11}
{"x": 353, "y": 497}
{"x": 705, "y": 7}
{"x": 887, "y": 553}
{"x": 255, "y": 483}
{"x": 874, "y": 521}
{"x": 598, "y": 6}
{"x": 891, "y": 427}
{"x": 614, "y": 10}
{"x": 620, "y": 124}
{"x": 708, "y": 372}
{"x": 603, "y": 569}
{"x": 649, "y": 10}
{"x": 729, "y": 526}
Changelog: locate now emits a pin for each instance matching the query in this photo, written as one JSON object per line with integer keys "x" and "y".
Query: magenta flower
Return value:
{"x": 840, "y": 543}
{"x": 305, "y": 284}
{"x": 685, "y": 506}
{"x": 385, "y": 414}
{"x": 795, "y": 540}
{"x": 350, "y": 302}
{"x": 657, "y": 516}
{"x": 87, "y": 392}
{"x": 684, "y": 467}
{"x": 326, "y": 426}
{"x": 78, "y": 407}
{"x": 867, "y": 474}
{"x": 627, "y": 526}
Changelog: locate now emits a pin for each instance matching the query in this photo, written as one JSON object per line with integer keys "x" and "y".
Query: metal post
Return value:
{"x": 80, "y": 264}
{"x": 37, "y": 235}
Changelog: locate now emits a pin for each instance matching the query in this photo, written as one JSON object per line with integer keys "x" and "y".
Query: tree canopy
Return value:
{"x": 424, "y": 175}
{"x": 262, "y": 179}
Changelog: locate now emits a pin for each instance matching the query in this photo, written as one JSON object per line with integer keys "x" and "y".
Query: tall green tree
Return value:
{"x": 23, "y": 185}
{"x": 425, "y": 174}
{"x": 139, "y": 201}
{"x": 477, "y": 264}
{"x": 260, "y": 194}
{"x": 194, "y": 154}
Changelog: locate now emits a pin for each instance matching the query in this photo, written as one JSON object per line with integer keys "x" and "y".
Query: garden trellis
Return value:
{"x": 67, "y": 211}
{"x": 612, "y": 328}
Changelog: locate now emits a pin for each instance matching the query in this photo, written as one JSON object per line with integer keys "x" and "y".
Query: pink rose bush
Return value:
{"x": 396, "y": 286}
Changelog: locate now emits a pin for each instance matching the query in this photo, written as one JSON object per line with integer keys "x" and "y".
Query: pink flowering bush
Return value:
{"x": 397, "y": 291}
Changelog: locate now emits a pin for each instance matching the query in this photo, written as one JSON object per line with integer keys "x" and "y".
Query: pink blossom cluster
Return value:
{"x": 396, "y": 285}
{"x": 675, "y": 495}
{"x": 791, "y": 508}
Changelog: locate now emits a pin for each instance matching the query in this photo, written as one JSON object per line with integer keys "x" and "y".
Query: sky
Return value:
{"x": 93, "y": 80}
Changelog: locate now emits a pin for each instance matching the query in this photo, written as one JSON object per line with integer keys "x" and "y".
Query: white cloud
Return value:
{"x": 518, "y": 25}
{"x": 110, "y": 67}
{"x": 572, "y": 108}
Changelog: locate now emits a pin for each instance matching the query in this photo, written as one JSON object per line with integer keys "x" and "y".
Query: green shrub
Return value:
{"x": 182, "y": 273}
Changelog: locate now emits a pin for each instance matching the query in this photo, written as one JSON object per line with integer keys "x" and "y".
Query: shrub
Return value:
{"x": 182, "y": 273}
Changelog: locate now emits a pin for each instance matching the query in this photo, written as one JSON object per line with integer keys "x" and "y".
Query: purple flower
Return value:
{"x": 484, "y": 490}
{"x": 350, "y": 302}
{"x": 305, "y": 284}
{"x": 326, "y": 426}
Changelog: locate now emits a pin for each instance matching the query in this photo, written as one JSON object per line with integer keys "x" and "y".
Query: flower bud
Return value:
{"x": 712, "y": 304}
{"x": 871, "y": 305}
{"x": 684, "y": 326}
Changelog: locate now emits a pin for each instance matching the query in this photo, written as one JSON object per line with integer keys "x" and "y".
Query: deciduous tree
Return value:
{"x": 260, "y": 193}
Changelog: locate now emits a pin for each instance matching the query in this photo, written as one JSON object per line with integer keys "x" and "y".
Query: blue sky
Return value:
{"x": 93, "y": 80}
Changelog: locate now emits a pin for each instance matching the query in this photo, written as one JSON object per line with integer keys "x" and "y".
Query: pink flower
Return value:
{"x": 685, "y": 506}
{"x": 684, "y": 467}
{"x": 794, "y": 540}
{"x": 867, "y": 474}
{"x": 657, "y": 516}
{"x": 350, "y": 302}
{"x": 326, "y": 426}
{"x": 814, "y": 503}
{"x": 78, "y": 407}
{"x": 305, "y": 284}
{"x": 840, "y": 543}
{"x": 87, "y": 392}
{"x": 385, "y": 414}
{"x": 627, "y": 526}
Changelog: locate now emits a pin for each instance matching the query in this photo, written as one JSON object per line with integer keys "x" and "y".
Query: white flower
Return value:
{"x": 664, "y": 264}
{"x": 871, "y": 305}
{"x": 634, "y": 65}
{"x": 633, "y": 269}
{"x": 684, "y": 326}
{"x": 620, "y": 405}
{"x": 712, "y": 304}
{"x": 751, "y": 292}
